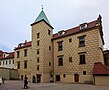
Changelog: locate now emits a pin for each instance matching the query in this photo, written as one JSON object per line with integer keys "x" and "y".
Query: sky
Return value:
{"x": 17, "y": 15}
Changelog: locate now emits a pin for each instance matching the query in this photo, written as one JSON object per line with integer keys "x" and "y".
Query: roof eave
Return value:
{"x": 40, "y": 21}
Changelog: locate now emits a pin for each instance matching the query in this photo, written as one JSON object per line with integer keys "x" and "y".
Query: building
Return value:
{"x": 7, "y": 59}
{"x": 7, "y": 70}
{"x": 23, "y": 59}
{"x": 67, "y": 56}
{"x": 106, "y": 58}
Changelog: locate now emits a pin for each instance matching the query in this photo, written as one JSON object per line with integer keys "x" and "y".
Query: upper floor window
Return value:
{"x": 82, "y": 59}
{"x": 18, "y": 54}
{"x": 49, "y": 63}
{"x": 84, "y": 72}
{"x": 3, "y": 62}
{"x": 60, "y": 46}
{"x": 6, "y": 62}
{"x": 18, "y": 65}
{"x": 81, "y": 41}
{"x": 37, "y": 51}
{"x": 25, "y": 64}
{"x": 9, "y": 61}
{"x": 37, "y": 60}
{"x": 60, "y": 33}
{"x": 83, "y": 26}
{"x": 38, "y": 35}
{"x": 25, "y": 52}
{"x": 49, "y": 47}
{"x": 70, "y": 59}
{"x": 49, "y": 32}
{"x": 13, "y": 61}
{"x": 38, "y": 43}
{"x": 60, "y": 60}
{"x": 37, "y": 67}
{"x": 70, "y": 40}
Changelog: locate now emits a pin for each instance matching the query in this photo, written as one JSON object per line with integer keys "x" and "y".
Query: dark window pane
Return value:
{"x": 25, "y": 53}
{"x": 60, "y": 61}
{"x": 82, "y": 59}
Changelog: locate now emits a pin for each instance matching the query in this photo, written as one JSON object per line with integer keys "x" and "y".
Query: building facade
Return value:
{"x": 7, "y": 59}
{"x": 67, "y": 56}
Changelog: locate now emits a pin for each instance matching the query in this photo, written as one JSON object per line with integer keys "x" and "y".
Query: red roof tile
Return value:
{"x": 100, "y": 69}
{"x": 75, "y": 30}
{"x": 1, "y": 54}
{"x": 11, "y": 55}
{"x": 23, "y": 45}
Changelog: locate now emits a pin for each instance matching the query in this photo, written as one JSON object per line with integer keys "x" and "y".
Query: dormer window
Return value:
{"x": 60, "y": 33}
{"x": 83, "y": 26}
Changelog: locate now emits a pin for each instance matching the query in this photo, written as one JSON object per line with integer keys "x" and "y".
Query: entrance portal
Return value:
{"x": 76, "y": 78}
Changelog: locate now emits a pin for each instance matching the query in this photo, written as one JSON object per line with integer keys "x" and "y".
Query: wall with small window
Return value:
{"x": 7, "y": 63}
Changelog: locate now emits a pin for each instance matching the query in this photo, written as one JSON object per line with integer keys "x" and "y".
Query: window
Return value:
{"x": 84, "y": 72}
{"x": 82, "y": 41}
{"x": 37, "y": 67}
{"x": 25, "y": 53}
{"x": 49, "y": 63}
{"x": 60, "y": 33}
{"x": 37, "y": 43}
{"x": 37, "y": 51}
{"x": 49, "y": 48}
{"x": 13, "y": 61}
{"x": 60, "y": 47}
{"x": 18, "y": 65}
{"x": 38, "y": 35}
{"x": 9, "y": 61}
{"x": 3, "y": 62}
{"x": 57, "y": 77}
{"x": 70, "y": 40}
{"x": 6, "y": 62}
{"x": 70, "y": 59}
{"x": 18, "y": 54}
{"x": 83, "y": 26}
{"x": 60, "y": 61}
{"x": 82, "y": 59}
{"x": 37, "y": 60}
{"x": 25, "y": 64}
{"x": 49, "y": 32}
{"x": 0, "y": 63}
{"x": 64, "y": 75}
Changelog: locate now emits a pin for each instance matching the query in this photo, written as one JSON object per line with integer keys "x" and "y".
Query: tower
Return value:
{"x": 41, "y": 57}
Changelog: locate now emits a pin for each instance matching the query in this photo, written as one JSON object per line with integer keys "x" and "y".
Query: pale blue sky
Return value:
{"x": 17, "y": 15}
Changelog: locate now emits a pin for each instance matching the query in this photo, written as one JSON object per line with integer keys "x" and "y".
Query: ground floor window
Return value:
{"x": 57, "y": 77}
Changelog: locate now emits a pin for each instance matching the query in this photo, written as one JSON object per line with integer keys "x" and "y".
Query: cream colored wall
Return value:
{"x": 7, "y": 65}
{"x": 45, "y": 54}
{"x": 93, "y": 54}
{"x": 22, "y": 71}
{"x": 101, "y": 80}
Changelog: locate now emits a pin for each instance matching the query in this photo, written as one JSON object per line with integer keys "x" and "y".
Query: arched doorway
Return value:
{"x": 34, "y": 79}
{"x": 76, "y": 78}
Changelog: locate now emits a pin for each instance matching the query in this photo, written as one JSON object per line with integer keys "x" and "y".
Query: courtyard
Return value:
{"x": 18, "y": 85}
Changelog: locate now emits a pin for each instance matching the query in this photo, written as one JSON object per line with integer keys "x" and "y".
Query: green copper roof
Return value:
{"x": 42, "y": 16}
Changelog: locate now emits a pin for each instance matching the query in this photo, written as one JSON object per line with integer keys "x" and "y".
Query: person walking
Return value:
{"x": 25, "y": 82}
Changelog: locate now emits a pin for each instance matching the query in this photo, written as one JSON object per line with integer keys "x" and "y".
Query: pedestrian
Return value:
{"x": 25, "y": 82}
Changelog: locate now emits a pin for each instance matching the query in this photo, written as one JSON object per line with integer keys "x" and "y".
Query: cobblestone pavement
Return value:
{"x": 18, "y": 85}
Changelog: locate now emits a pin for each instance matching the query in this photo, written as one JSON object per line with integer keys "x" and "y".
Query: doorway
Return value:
{"x": 38, "y": 78}
{"x": 76, "y": 78}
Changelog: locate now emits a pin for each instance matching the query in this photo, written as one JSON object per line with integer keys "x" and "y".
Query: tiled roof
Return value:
{"x": 1, "y": 54}
{"x": 10, "y": 55}
{"x": 75, "y": 30}
{"x": 100, "y": 69}
{"x": 23, "y": 45}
